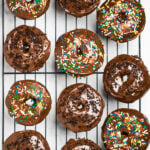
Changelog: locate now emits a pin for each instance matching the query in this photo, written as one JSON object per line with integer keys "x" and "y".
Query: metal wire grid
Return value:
{"x": 44, "y": 73}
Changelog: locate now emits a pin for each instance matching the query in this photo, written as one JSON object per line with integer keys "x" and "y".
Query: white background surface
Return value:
{"x": 55, "y": 23}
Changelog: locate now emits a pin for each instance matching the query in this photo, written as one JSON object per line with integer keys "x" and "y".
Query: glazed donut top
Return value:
{"x": 79, "y": 52}
{"x": 121, "y": 20}
{"x": 26, "y": 140}
{"x": 79, "y": 8}
{"x": 126, "y": 78}
{"x": 81, "y": 144}
{"x": 28, "y": 102}
{"x": 28, "y": 9}
{"x": 126, "y": 129}
{"x": 26, "y": 48}
{"x": 80, "y": 107}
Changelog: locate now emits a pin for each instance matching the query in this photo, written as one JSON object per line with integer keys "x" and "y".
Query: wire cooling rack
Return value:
{"x": 54, "y": 23}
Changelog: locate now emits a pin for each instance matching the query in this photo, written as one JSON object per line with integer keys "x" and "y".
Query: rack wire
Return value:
{"x": 54, "y": 23}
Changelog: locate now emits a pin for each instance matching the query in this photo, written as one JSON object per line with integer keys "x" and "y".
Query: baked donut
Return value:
{"x": 126, "y": 129}
{"x": 28, "y": 101}
{"x": 126, "y": 78}
{"x": 26, "y": 140}
{"x": 80, "y": 107}
{"x": 28, "y": 9}
{"x": 26, "y": 48}
{"x": 121, "y": 20}
{"x": 78, "y": 8}
{"x": 79, "y": 52}
{"x": 80, "y": 144}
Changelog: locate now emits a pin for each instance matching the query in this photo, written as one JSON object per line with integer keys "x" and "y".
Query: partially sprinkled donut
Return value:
{"x": 28, "y": 102}
{"x": 28, "y": 9}
{"x": 121, "y": 20}
{"x": 80, "y": 107}
{"x": 79, "y": 52}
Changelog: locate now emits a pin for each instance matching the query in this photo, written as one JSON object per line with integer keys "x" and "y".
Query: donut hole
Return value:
{"x": 30, "y": 102}
{"x": 26, "y": 47}
{"x": 122, "y": 16}
{"x": 125, "y": 133}
{"x": 125, "y": 78}
{"x": 80, "y": 106}
{"x": 29, "y": 1}
{"x": 79, "y": 51}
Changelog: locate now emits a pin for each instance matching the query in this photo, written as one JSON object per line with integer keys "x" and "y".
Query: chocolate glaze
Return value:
{"x": 26, "y": 140}
{"x": 80, "y": 107}
{"x": 26, "y": 48}
{"x": 80, "y": 144}
{"x": 78, "y": 8}
{"x": 28, "y": 9}
{"x": 126, "y": 78}
{"x": 121, "y": 25}
{"x": 28, "y": 102}
{"x": 126, "y": 129}
{"x": 79, "y": 52}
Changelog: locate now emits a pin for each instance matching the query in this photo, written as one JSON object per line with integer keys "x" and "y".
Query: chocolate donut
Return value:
{"x": 28, "y": 9}
{"x": 121, "y": 20}
{"x": 79, "y": 52}
{"x": 26, "y": 140}
{"x": 26, "y": 48}
{"x": 80, "y": 107}
{"x": 80, "y": 144}
{"x": 126, "y": 129}
{"x": 126, "y": 78}
{"x": 28, "y": 102}
{"x": 78, "y": 8}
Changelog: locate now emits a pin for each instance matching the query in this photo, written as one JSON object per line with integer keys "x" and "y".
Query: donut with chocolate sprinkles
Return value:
{"x": 26, "y": 140}
{"x": 121, "y": 20}
{"x": 78, "y": 8}
{"x": 126, "y": 78}
{"x": 28, "y": 9}
{"x": 79, "y": 52}
{"x": 26, "y": 49}
{"x": 28, "y": 102}
{"x": 126, "y": 129}
{"x": 80, "y": 107}
{"x": 81, "y": 144}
